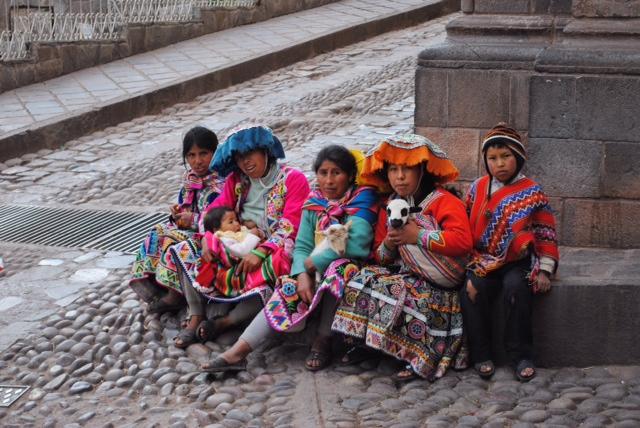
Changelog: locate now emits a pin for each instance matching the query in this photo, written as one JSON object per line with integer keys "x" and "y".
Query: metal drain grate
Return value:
{"x": 9, "y": 394}
{"x": 76, "y": 228}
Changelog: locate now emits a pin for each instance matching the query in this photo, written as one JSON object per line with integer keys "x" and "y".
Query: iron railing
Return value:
{"x": 13, "y": 46}
{"x": 209, "y": 4}
{"x": 40, "y": 25}
{"x": 68, "y": 27}
{"x": 153, "y": 11}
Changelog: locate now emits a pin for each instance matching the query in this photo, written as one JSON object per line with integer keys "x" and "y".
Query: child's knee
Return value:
{"x": 514, "y": 289}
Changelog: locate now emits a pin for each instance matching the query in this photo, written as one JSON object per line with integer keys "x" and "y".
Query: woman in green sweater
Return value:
{"x": 335, "y": 199}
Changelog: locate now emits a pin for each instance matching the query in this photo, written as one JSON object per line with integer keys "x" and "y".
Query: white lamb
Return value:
{"x": 398, "y": 212}
{"x": 335, "y": 237}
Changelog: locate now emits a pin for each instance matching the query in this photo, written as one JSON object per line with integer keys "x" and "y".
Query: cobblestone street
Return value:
{"x": 72, "y": 330}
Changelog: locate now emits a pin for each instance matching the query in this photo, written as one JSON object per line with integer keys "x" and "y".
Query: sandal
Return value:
{"x": 405, "y": 375}
{"x": 485, "y": 374}
{"x": 185, "y": 338}
{"x": 522, "y": 366}
{"x": 209, "y": 329}
{"x": 323, "y": 358}
{"x": 356, "y": 355}
{"x": 220, "y": 365}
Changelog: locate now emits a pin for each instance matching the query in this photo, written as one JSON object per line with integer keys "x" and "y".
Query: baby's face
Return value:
{"x": 230, "y": 222}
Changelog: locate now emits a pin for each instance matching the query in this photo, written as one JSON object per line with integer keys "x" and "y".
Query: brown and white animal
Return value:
{"x": 335, "y": 237}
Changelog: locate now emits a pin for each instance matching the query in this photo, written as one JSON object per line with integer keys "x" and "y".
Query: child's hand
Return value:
{"x": 471, "y": 291}
{"x": 543, "y": 282}
{"x": 257, "y": 232}
{"x": 250, "y": 224}
{"x": 406, "y": 235}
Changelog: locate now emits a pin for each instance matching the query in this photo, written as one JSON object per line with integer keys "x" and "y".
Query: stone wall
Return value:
{"x": 570, "y": 84}
{"x": 50, "y": 60}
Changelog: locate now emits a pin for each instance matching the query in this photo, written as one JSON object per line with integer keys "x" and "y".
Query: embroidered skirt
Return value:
{"x": 405, "y": 317}
{"x": 285, "y": 309}
{"x": 153, "y": 260}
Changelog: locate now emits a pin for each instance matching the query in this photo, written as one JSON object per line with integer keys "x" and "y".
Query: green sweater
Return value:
{"x": 358, "y": 244}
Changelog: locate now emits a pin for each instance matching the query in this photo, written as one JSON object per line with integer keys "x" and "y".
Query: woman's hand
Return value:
{"x": 248, "y": 264}
{"x": 206, "y": 253}
{"x": 309, "y": 266}
{"x": 543, "y": 282}
{"x": 406, "y": 235}
{"x": 306, "y": 287}
{"x": 174, "y": 210}
{"x": 183, "y": 220}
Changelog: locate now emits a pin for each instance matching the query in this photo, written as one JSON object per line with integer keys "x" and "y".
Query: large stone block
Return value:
{"x": 557, "y": 208}
{"x": 607, "y": 108}
{"x": 553, "y": 7}
{"x": 622, "y": 170}
{"x": 478, "y": 98}
{"x": 7, "y": 77}
{"x": 519, "y": 100}
{"x": 552, "y": 107}
{"x": 431, "y": 98}
{"x": 461, "y": 145}
{"x": 502, "y": 6}
{"x": 582, "y": 325}
{"x": 76, "y": 56}
{"x": 45, "y": 70}
{"x": 601, "y": 223}
{"x": 606, "y": 8}
{"x": 566, "y": 168}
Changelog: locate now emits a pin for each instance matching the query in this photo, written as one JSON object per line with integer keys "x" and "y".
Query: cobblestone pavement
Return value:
{"x": 87, "y": 88}
{"x": 93, "y": 357}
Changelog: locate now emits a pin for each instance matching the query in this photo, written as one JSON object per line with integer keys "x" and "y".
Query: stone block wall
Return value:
{"x": 582, "y": 137}
{"x": 572, "y": 91}
{"x": 50, "y": 60}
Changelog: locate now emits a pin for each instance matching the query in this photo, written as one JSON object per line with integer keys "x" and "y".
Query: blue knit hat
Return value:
{"x": 243, "y": 140}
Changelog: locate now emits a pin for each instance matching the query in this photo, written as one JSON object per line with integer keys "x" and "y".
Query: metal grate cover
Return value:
{"x": 10, "y": 393}
{"x": 76, "y": 228}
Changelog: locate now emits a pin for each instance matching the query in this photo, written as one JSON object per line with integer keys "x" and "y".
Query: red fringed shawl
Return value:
{"x": 505, "y": 227}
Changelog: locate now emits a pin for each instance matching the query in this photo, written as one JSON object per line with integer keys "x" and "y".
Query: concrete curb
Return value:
{"x": 55, "y": 132}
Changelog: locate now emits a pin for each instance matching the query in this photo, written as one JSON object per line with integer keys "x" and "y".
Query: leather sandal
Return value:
{"x": 485, "y": 374}
{"x": 209, "y": 329}
{"x": 356, "y": 355}
{"x": 185, "y": 338}
{"x": 521, "y": 366}
{"x": 323, "y": 357}
{"x": 404, "y": 376}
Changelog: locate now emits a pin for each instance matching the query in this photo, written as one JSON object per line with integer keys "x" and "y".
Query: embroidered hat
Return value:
{"x": 501, "y": 133}
{"x": 242, "y": 140}
{"x": 409, "y": 150}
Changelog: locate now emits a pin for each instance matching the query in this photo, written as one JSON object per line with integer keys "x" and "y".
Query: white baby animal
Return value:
{"x": 398, "y": 212}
